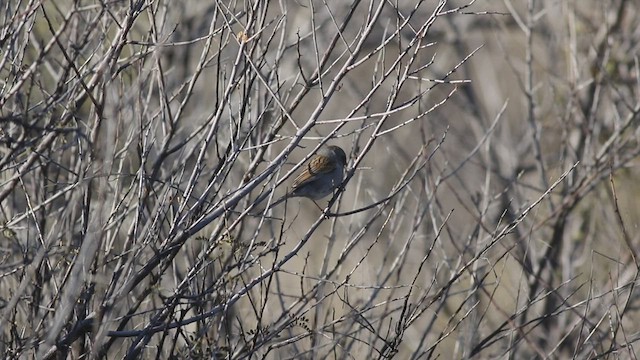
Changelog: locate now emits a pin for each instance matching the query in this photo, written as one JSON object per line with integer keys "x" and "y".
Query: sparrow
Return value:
{"x": 320, "y": 177}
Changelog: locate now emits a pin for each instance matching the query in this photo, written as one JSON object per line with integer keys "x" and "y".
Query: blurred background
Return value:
{"x": 489, "y": 208}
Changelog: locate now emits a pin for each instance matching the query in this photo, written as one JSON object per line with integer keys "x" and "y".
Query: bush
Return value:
{"x": 488, "y": 208}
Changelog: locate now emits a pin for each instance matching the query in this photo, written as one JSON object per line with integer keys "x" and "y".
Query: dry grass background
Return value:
{"x": 490, "y": 208}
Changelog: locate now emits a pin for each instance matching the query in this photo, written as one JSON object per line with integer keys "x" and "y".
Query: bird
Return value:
{"x": 320, "y": 177}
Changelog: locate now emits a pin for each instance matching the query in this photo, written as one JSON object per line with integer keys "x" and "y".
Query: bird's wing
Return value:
{"x": 317, "y": 166}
